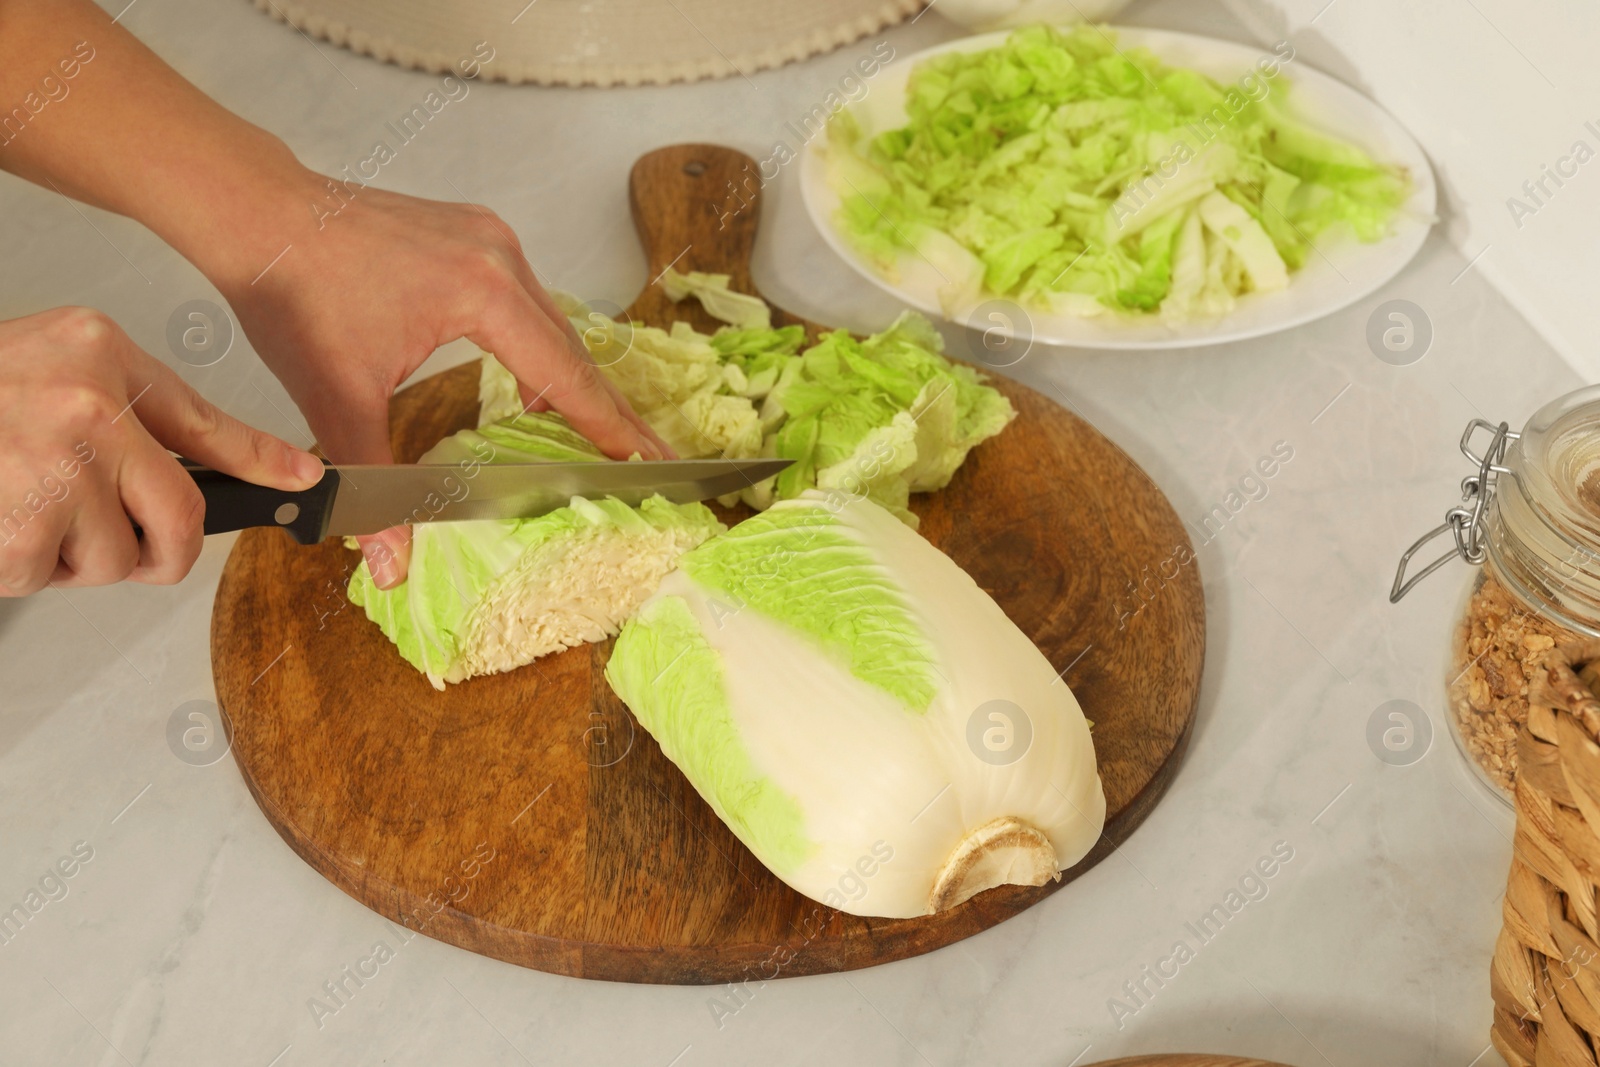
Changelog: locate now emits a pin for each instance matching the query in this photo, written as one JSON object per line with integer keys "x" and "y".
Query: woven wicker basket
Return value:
{"x": 1546, "y": 973}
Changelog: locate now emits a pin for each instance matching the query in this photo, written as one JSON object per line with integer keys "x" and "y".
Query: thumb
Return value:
{"x": 187, "y": 423}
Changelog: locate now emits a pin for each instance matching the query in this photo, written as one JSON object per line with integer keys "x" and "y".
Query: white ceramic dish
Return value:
{"x": 1345, "y": 270}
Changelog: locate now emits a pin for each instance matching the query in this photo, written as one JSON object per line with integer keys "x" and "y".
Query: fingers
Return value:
{"x": 532, "y": 400}
{"x": 666, "y": 450}
{"x": 362, "y": 436}
{"x": 540, "y": 353}
{"x": 546, "y": 303}
{"x": 160, "y": 496}
{"x": 523, "y": 270}
{"x": 99, "y": 546}
{"x": 540, "y": 401}
{"x": 187, "y": 423}
{"x": 388, "y": 555}
{"x": 29, "y": 546}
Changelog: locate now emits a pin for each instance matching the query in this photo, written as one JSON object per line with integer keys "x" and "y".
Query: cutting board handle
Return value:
{"x": 696, "y": 207}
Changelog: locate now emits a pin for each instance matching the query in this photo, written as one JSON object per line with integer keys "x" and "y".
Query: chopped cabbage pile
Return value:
{"x": 1070, "y": 175}
{"x": 879, "y": 418}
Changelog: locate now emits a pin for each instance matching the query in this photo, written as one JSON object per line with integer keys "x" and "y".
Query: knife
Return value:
{"x": 364, "y": 499}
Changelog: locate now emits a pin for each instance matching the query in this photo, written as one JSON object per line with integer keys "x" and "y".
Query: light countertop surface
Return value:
{"x": 195, "y": 936}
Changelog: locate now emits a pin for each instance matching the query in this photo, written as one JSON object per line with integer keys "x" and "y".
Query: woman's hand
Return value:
{"x": 86, "y": 419}
{"x": 342, "y": 288}
{"x": 362, "y": 297}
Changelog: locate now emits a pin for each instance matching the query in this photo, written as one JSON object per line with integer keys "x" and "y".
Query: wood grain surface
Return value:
{"x": 527, "y": 817}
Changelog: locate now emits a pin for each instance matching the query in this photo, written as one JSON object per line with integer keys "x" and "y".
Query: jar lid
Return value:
{"x": 1558, "y": 462}
{"x": 1532, "y": 510}
{"x": 1543, "y": 526}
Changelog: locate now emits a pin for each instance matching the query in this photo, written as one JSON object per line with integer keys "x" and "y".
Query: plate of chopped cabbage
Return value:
{"x": 1106, "y": 187}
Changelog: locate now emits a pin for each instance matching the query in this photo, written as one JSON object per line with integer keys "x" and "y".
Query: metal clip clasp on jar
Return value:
{"x": 1465, "y": 520}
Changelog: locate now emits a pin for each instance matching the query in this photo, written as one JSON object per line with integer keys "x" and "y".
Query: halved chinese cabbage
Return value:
{"x": 860, "y": 713}
{"x": 490, "y": 596}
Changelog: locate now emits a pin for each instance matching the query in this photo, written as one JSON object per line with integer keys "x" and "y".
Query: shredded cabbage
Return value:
{"x": 1065, "y": 173}
{"x": 879, "y": 418}
{"x": 882, "y": 417}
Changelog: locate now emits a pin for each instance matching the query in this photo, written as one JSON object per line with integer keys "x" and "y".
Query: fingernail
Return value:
{"x": 380, "y": 561}
{"x": 307, "y": 468}
{"x": 648, "y": 449}
{"x": 388, "y": 556}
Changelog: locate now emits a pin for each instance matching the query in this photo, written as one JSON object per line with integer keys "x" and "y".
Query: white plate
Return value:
{"x": 1344, "y": 272}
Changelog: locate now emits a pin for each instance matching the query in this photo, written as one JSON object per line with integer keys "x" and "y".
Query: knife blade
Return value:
{"x": 364, "y": 498}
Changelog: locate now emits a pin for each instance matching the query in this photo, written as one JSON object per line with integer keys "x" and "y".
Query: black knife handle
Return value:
{"x": 232, "y": 504}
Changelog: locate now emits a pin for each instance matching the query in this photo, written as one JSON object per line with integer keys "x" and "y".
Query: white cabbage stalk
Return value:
{"x": 860, "y": 713}
{"x": 1188, "y": 270}
{"x": 739, "y": 310}
{"x": 1247, "y": 240}
{"x": 960, "y": 272}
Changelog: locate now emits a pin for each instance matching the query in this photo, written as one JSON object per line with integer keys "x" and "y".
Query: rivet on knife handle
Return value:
{"x": 233, "y": 504}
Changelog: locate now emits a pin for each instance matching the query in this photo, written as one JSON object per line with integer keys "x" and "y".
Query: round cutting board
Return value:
{"x": 1185, "y": 1059}
{"x": 528, "y": 817}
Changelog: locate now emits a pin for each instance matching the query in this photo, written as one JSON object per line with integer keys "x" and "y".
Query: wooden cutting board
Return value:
{"x": 527, "y": 816}
{"x": 1184, "y": 1060}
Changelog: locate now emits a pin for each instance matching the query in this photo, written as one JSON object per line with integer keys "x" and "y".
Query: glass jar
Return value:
{"x": 1530, "y": 519}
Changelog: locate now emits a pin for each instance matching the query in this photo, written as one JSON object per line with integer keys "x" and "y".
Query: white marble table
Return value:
{"x": 194, "y": 935}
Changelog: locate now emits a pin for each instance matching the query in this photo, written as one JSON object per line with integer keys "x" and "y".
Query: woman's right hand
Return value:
{"x": 86, "y": 422}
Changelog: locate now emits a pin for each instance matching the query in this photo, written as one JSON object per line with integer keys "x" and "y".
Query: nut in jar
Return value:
{"x": 1530, "y": 519}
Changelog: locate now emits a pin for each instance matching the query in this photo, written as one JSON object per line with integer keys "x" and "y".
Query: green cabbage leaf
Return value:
{"x": 489, "y": 596}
